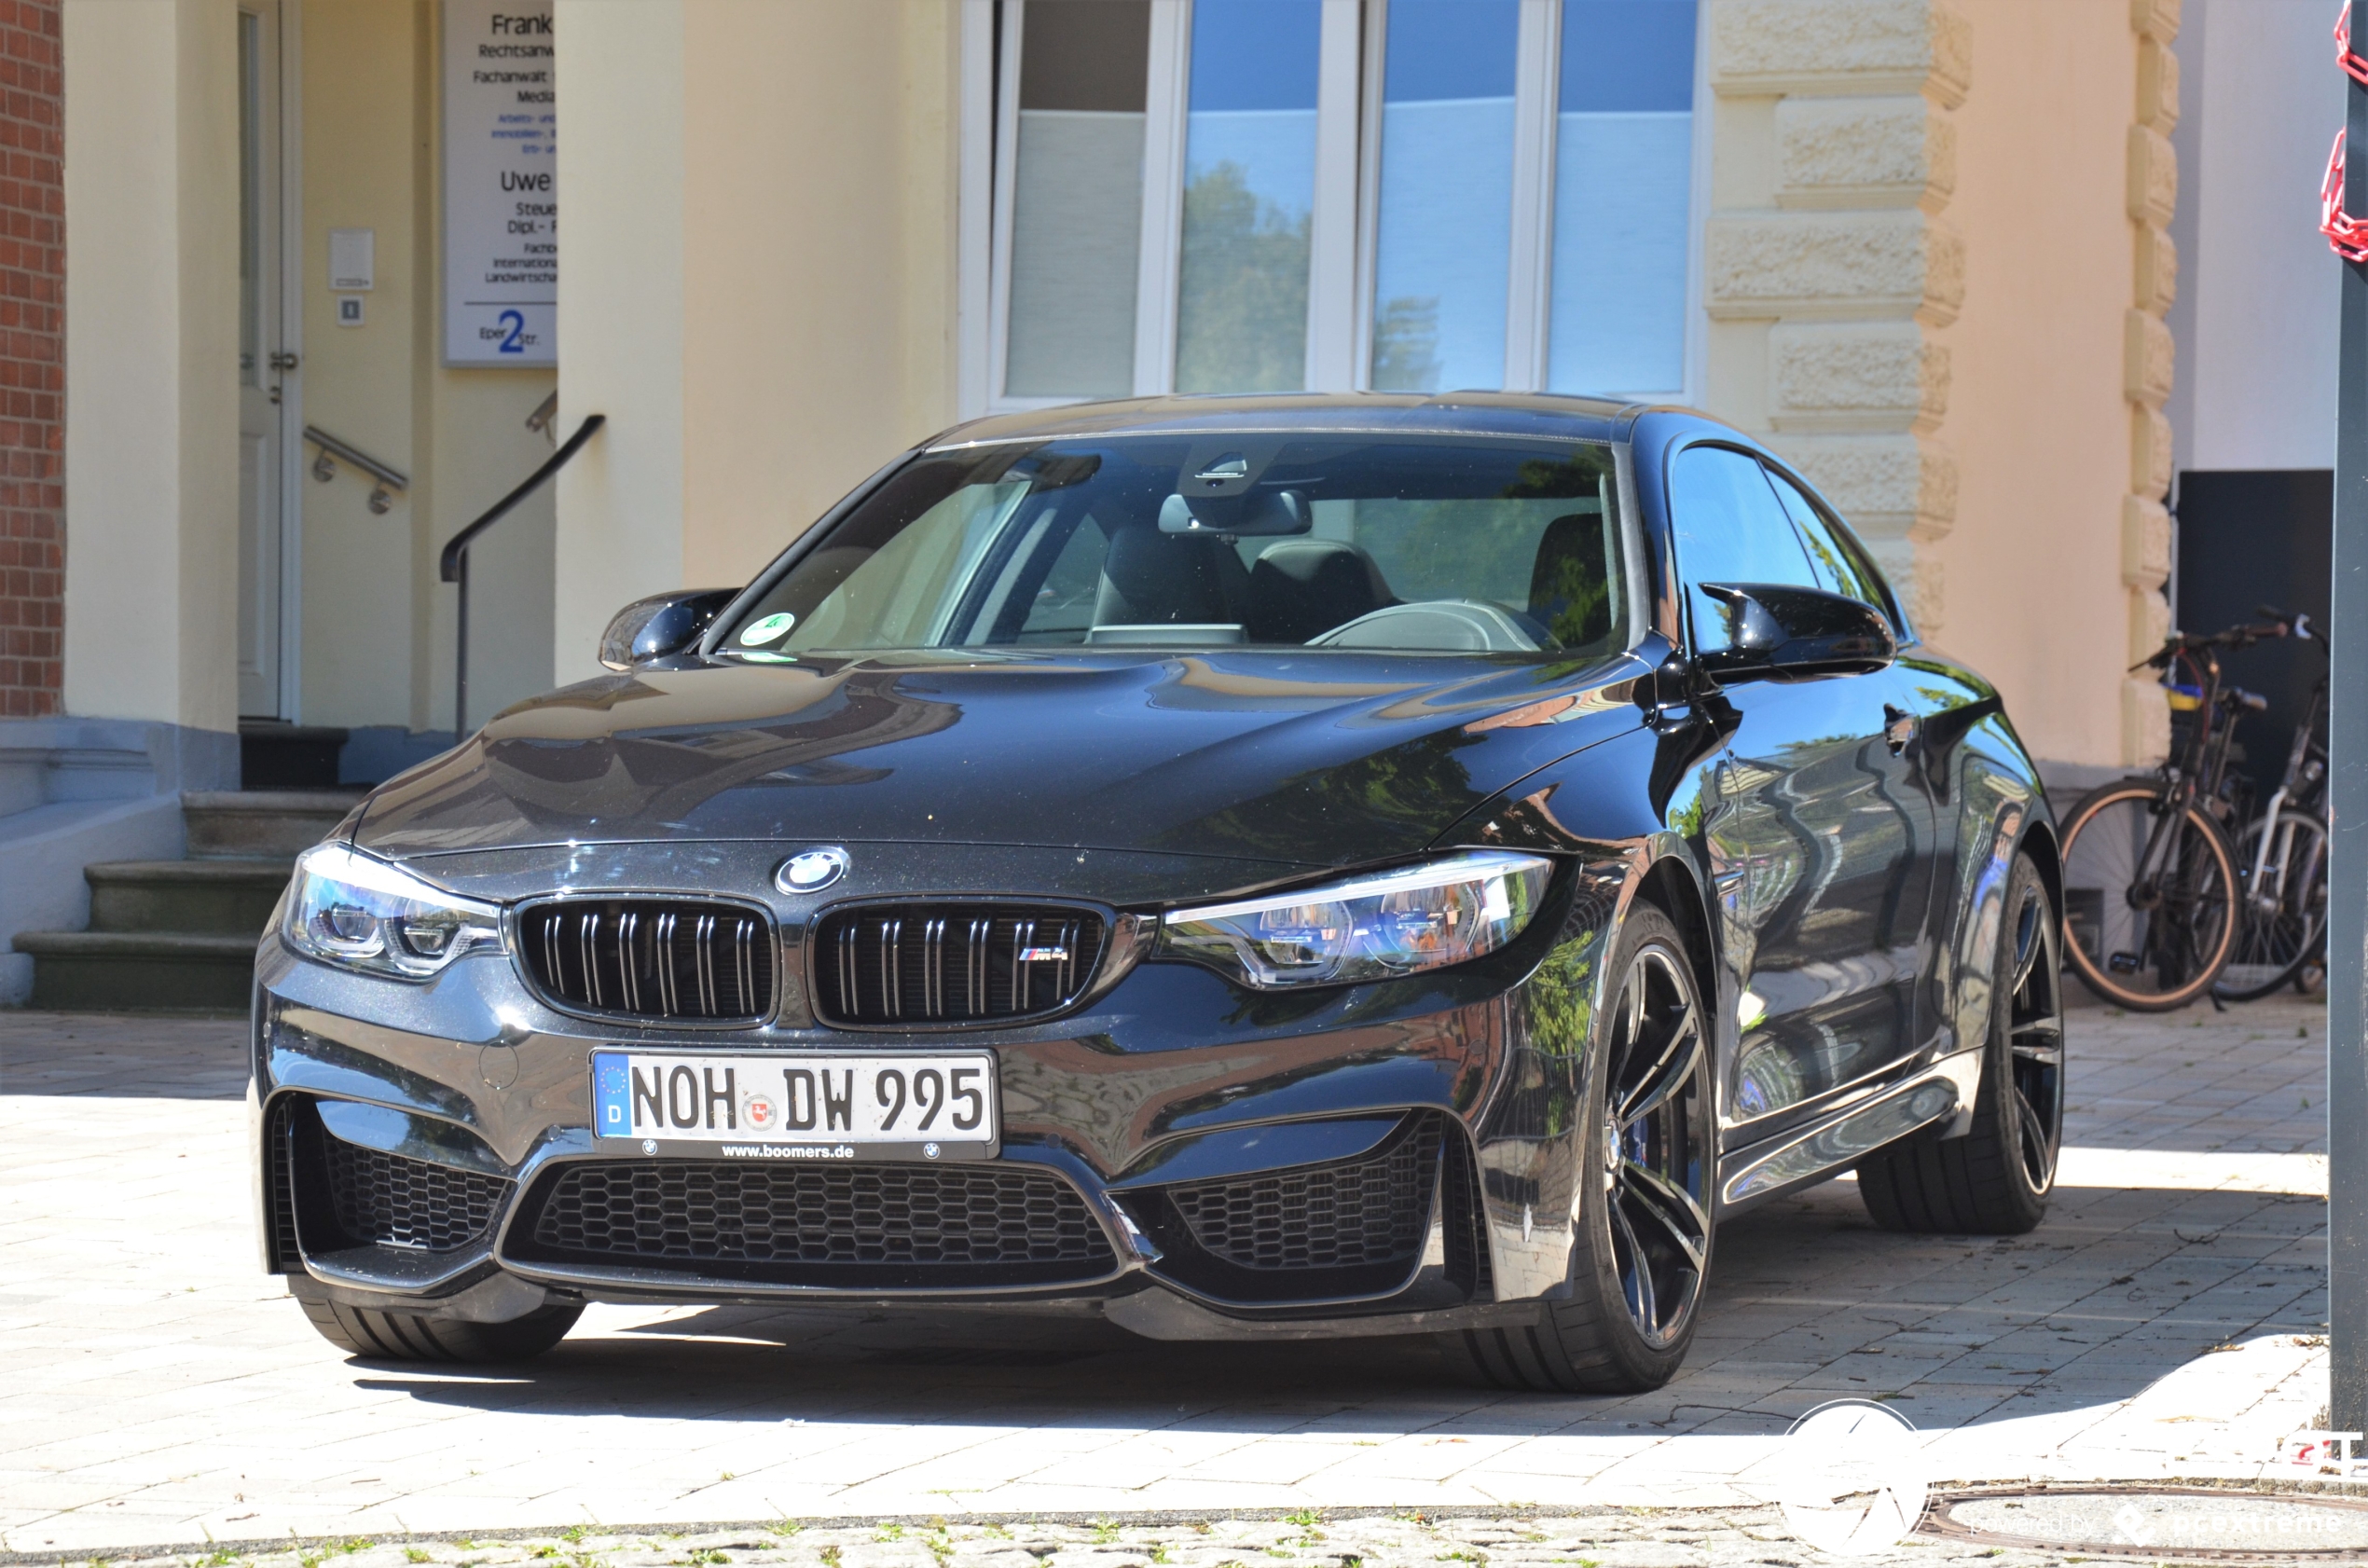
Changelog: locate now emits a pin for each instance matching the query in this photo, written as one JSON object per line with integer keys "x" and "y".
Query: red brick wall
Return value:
{"x": 33, "y": 369}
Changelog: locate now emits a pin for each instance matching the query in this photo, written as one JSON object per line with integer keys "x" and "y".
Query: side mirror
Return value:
{"x": 663, "y": 625}
{"x": 1776, "y": 632}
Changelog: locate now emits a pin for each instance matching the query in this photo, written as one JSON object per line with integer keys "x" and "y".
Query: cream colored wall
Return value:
{"x": 151, "y": 458}
{"x": 2037, "y": 413}
{"x": 819, "y": 298}
{"x": 377, "y": 623}
{"x": 759, "y": 289}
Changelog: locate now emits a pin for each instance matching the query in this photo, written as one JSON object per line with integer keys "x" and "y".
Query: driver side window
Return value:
{"x": 1730, "y": 528}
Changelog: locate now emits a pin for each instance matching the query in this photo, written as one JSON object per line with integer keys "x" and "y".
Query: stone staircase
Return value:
{"x": 181, "y": 934}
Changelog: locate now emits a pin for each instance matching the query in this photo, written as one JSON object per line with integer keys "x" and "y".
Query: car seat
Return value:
{"x": 1151, "y": 578}
{"x": 1303, "y": 587}
{"x": 1569, "y": 587}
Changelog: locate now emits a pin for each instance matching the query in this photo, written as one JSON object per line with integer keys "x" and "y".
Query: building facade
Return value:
{"x": 317, "y": 312}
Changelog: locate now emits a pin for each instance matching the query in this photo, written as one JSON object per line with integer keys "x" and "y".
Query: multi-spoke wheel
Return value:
{"x": 1996, "y": 1178}
{"x": 2281, "y": 918}
{"x": 1641, "y": 1221}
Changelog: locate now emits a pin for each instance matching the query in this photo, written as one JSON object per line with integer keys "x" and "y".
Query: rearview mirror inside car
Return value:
{"x": 1777, "y": 632}
{"x": 661, "y": 626}
{"x": 1259, "y": 515}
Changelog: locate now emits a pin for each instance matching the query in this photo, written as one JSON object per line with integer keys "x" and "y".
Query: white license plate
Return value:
{"x": 804, "y": 1107}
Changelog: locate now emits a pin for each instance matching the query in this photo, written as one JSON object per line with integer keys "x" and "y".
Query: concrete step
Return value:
{"x": 251, "y": 824}
{"x": 222, "y": 898}
{"x": 132, "y": 971}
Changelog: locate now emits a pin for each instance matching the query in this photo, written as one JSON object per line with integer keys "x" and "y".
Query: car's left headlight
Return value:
{"x": 1368, "y": 928}
{"x": 349, "y": 909}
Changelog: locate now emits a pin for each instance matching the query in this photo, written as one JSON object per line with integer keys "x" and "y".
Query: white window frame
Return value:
{"x": 1352, "y": 55}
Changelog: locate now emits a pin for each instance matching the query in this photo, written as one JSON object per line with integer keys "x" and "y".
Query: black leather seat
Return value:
{"x": 1149, "y": 578}
{"x": 1303, "y": 587}
{"x": 1569, "y": 589}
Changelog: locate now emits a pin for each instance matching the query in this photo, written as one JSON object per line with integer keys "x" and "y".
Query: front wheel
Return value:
{"x": 1641, "y": 1229}
{"x": 2148, "y": 897}
{"x": 384, "y": 1336}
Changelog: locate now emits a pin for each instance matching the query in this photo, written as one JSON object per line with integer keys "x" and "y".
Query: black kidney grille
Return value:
{"x": 1372, "y": 1212}
{"x": 693, "y": 1212}
{"x": 396, "y": 1202}
{"x": 930, "y": 963}
{"x": 652, "y": 957}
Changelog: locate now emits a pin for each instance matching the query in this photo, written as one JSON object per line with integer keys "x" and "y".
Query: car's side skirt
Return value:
{"x": 1944, "y": 1089}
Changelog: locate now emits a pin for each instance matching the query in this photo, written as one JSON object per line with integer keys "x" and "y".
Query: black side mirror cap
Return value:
{"x": 661, "y": 626}
{"x": 1778, "y": 632}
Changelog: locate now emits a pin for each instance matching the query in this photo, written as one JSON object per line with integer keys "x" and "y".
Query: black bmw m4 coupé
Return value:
{"x": 1270, "y": 866}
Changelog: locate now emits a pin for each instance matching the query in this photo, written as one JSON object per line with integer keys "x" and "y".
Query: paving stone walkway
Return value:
{"x": 2164, "y": 1321}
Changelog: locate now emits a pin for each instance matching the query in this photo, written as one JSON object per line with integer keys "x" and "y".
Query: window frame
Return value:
{"x": 1352, "y": 58}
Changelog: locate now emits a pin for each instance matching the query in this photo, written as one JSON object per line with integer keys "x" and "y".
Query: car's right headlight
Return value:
{"x": 1376, "y": 926}
{"x": 359, "y": 913}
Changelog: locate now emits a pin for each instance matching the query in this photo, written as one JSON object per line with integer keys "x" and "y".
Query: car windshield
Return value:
{"x": 1455, "y": 545}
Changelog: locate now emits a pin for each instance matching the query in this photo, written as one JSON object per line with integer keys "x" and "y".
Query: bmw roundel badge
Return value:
{"x": 810, "y": 871}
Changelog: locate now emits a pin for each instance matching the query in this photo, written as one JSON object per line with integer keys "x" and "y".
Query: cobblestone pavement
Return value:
{"x": 2163, "y": 1321}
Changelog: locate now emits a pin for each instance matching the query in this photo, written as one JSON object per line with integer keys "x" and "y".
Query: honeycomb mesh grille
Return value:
{"x": 394, "y": 1202}
{"x": 286, "y": 1257}
{"x": 1374, "y": 1211}
{"x": 890, "y": 964}
{"x": 698, "y": 1212}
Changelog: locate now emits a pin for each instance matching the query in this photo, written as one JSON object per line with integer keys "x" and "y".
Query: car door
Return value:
{"x": 1819, "y": 828}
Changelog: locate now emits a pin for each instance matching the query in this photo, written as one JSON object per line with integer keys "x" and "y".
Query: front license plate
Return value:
{"x": 809, "y": 1107}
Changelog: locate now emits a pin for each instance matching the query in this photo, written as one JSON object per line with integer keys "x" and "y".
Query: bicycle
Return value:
{"x": 2152, "y": 882}
{"x": 2281, "y": 858}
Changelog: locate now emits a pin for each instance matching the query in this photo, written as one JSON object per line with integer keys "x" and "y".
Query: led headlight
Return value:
{"x": 364, "y": 913}
{"x": 1371, "y": 927}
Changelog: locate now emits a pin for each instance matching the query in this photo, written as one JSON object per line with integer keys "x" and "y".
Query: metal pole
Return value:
{"x": 2347, "y": 806}
{"x": 460, "y": 656}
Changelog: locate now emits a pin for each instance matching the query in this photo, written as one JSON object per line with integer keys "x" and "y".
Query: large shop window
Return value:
{"x": 1214, "y": 196}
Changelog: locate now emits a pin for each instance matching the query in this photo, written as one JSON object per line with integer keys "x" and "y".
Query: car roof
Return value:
{"x": 1460, "y": 413}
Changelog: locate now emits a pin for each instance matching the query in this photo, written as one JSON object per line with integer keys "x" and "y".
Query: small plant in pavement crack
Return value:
{"x": 830, "y": 1556}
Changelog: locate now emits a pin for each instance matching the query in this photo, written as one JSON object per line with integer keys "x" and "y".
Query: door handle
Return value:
{"x": 283, "y": 360}
{"x": 1899, "y": 728}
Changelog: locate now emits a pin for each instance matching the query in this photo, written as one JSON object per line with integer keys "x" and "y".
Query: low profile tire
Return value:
{"x": 381, "y": 1336}
{"x": 1995, "y": 1180}
{"x": 1648, "y": 1166}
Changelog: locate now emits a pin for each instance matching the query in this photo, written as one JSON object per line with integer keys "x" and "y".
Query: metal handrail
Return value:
{"x": 324, "y": 470}
{"x": 453, "y": 565}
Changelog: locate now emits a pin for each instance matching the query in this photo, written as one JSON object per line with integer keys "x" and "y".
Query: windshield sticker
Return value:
{"x": 766, "y": 629}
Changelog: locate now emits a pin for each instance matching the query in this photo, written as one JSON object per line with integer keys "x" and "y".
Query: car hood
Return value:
{"x": 1299, "y": 758}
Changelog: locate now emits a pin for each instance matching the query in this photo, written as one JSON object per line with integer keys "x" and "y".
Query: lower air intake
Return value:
{"x": 387, "y": 1199}
{"x": 1356, "y": 1228}
{"x": 879, "y": 1226}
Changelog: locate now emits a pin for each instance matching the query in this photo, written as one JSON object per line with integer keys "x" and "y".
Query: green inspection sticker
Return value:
{"x": 766, "y": 629}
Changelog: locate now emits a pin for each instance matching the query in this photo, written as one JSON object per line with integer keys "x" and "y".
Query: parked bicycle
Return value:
{"x": 2152, "y": 888}
{"x": 2281, "y": 862}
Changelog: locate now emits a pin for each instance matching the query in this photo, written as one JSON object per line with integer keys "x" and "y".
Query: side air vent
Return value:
{"x": 392, "y": 1200}
{"x": 885, "y": 966}
{"x": 669, "y": 959}
{"x": 1355, "y": 1228}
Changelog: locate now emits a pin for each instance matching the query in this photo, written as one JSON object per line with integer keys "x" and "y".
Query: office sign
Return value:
{"x": 500, "y": 184}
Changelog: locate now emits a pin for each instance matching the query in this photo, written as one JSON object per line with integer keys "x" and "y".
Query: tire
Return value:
{"x": 1641, "y": 1242}
{"x": 2274, "y": 942}
{"x": 2149, "y": 943}
{"x": 1995, "y": 1180}
{"x": 382, "y": 1336}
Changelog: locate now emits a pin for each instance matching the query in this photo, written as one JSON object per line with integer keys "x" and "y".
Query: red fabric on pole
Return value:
{"x": 2345, "y": 235}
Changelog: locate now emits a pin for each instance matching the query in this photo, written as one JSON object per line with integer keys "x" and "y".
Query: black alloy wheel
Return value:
{"x": 1642, "y": 1230}
{"x": 1995, "y": 1179}
{"x": 1653, "y": 1145}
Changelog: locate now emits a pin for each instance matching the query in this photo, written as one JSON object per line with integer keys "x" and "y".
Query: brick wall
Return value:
{"x": 32, "y": 265}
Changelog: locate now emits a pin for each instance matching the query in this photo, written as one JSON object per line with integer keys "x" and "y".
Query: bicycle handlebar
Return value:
{"x": 2240, "y": 636}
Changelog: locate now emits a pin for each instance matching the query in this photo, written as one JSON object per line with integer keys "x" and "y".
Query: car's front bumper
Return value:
{"x": 1168, "y": 1082}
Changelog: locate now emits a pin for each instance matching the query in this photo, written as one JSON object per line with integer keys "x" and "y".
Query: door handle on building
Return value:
{"x": 282, "y": 360}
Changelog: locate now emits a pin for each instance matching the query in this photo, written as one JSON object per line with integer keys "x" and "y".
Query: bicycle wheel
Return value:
{"x": 2281, "y": 918}
{"x": 2147, "y": 902}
